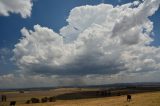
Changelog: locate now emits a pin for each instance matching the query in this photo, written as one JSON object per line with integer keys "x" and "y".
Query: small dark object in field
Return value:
{"x": 28, "y": 102}
{"x": 12, "y": 103}
{"x": 119, "y": 94}
{"x": 4, "y": 98}
{"x": 21, "y": 91}
{"x": 35, "y": 100}
{"x": 52, "y": 99}
{"x": 45, "y": 99}
{"x": 129, "y": 98}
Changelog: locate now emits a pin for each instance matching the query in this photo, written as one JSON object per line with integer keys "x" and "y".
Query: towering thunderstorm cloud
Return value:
{"x": 99, "y": 39}
{"x": 99, "y": 42}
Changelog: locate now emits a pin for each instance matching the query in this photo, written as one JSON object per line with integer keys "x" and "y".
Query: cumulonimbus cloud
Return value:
{"x": 22, "y": 7}
{"x": 98, "y": 40}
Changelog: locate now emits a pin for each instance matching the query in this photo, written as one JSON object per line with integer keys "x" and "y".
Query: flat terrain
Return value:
{"x": 21, "y": 98}
{"x": 140, "y": 99}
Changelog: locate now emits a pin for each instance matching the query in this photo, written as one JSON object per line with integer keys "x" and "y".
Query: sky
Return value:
{"x": 78, "y": 42}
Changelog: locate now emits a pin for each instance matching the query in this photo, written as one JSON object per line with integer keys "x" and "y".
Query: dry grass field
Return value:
{"x": 141, "y": 99}
{"x": 21, "y": 98}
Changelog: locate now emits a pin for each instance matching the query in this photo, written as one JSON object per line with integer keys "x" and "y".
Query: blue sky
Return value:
{"x": 45, "y": 13}
{"x": 51, "y": 14}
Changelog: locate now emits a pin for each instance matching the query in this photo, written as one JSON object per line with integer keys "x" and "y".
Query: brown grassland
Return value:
{"x": 139, "y": 99}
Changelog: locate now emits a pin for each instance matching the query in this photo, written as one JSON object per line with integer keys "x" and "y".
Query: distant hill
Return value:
{"x": 105, "y": 86}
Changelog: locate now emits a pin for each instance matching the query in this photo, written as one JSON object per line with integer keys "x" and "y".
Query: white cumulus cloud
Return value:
{"x": 22, "y": 7}
{"x": 98, "y": 40}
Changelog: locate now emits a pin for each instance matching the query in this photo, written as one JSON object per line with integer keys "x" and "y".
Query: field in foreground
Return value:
{"x": 141, "y": 99}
